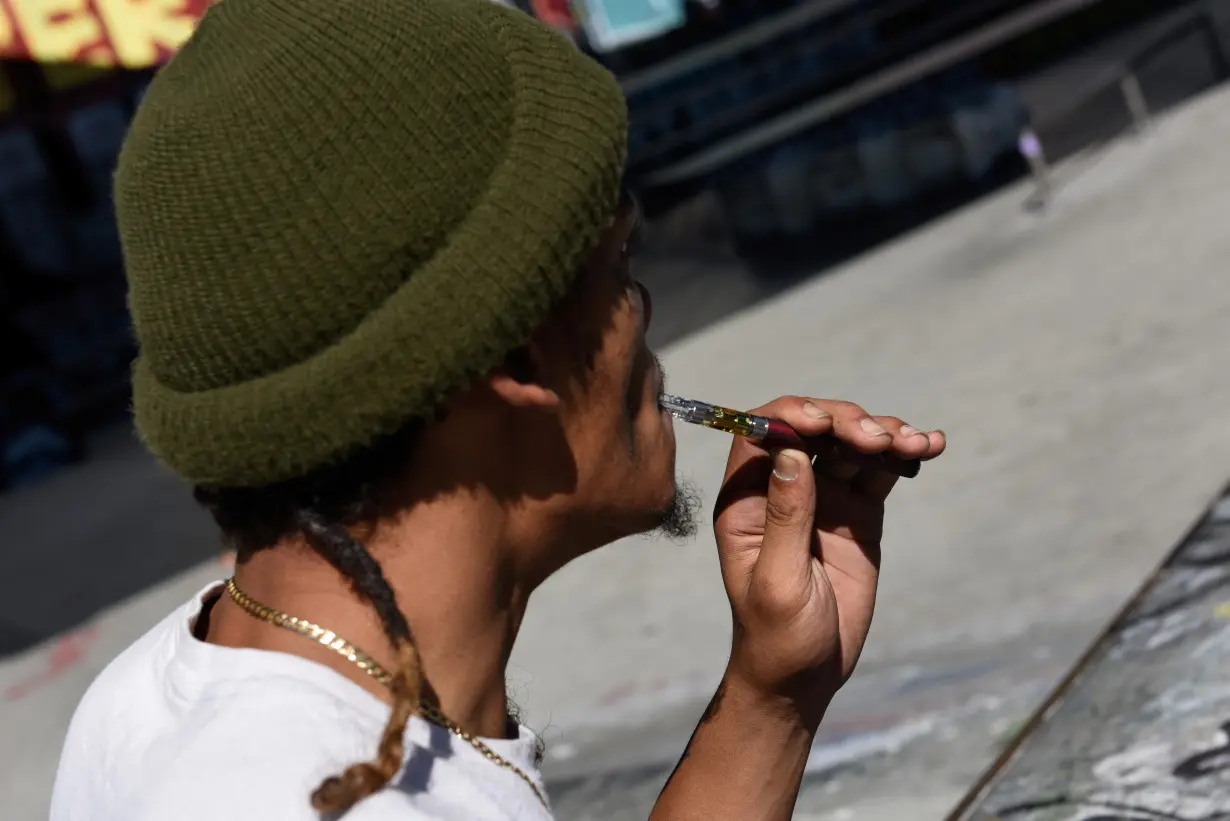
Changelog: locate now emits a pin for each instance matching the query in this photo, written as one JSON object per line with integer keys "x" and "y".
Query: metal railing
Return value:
{"x": 898, "y": 76}
{"x": 748, "y": 37}
{"x": 1123, "y": 80}
{"x": 819, "y": 42}
{"x": 873, "y": 87}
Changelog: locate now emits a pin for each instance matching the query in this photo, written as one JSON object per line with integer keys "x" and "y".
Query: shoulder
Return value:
{"x": 175, "y": 728}
{"x": 258, "y": 754}
{"x": 255, "y": 752}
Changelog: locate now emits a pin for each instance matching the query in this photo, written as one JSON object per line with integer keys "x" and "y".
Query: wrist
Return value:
{"x": 745, "y": 760}
{"x": 799, "y": 705}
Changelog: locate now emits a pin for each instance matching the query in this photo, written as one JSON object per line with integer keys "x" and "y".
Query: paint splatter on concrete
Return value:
{"x": 1145, "y": 730}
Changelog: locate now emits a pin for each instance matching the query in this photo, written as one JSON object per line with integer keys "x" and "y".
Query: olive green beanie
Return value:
{"x": 336, "y": 213}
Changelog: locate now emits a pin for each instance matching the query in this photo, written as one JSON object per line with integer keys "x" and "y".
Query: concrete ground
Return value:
{"x": 1077, "y": 360}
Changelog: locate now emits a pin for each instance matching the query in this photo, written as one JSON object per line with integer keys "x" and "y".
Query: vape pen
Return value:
{"x": 773, "y": 433}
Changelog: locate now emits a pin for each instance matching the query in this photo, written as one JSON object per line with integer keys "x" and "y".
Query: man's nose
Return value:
{"x": 646, "y": 303}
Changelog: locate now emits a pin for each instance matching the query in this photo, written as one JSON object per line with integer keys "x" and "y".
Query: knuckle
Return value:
{"x": 779, "y": 513}
{"x": 845, "y": 408}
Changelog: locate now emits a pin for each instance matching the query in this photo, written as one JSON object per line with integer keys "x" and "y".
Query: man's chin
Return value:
{"x": 680, "y": 520}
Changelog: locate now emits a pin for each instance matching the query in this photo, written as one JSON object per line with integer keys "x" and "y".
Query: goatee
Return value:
{"x": 681, "y": 520}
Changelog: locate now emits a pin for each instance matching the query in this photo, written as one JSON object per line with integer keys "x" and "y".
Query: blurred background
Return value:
{"x": 998, "y": 217}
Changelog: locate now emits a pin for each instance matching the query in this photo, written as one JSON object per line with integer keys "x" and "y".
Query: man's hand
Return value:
{"x": 800, "y": 553}
{"x": 800, "y": 548}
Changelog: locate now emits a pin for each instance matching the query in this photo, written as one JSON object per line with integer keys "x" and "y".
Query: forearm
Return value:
{"x": 745, "y": 761}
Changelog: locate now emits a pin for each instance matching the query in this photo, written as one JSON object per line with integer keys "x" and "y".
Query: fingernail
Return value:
{"x": 786, "y": 465}
{"x": 910, "y": 430}
{"x": 813, "y": 410}
{"x": 871, "y": 427}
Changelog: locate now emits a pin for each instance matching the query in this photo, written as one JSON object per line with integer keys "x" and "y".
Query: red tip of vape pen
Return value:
{"x": 782, "y": 435}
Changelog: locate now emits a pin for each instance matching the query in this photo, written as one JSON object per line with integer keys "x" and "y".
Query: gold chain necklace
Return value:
{"x": 368, "y": 665}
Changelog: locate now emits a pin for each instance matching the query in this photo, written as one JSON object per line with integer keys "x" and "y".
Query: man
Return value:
{"x": 378, "y": 265}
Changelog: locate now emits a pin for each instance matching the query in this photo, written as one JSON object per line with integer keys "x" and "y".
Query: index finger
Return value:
{"x": 832, "y": 431}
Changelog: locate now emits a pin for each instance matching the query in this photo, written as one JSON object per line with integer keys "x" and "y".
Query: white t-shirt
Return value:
{"x": 176, "y": 729}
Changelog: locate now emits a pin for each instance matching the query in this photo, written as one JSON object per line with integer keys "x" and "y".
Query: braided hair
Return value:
{"x": 323, "y": 506}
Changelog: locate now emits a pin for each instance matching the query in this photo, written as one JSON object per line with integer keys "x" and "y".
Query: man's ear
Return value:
{"x": 519, "y": 382}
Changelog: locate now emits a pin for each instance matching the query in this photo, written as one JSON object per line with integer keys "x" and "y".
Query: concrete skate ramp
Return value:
{"x": 1141, "y": 727}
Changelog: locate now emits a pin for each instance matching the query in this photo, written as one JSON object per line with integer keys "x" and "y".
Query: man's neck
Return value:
{"x": 450, "y": 570}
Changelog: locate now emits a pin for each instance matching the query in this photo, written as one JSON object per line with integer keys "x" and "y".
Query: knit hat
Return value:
{"x": 337, "y": 213}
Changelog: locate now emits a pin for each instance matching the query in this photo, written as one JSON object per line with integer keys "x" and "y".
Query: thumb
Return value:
{"x": 790, "y": 514}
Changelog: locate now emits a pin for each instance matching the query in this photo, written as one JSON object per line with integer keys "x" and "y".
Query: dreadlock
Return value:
{"x": 323, "y": 506}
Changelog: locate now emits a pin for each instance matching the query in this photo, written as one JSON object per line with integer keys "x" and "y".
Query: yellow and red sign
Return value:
{"x": 127, "y": 33}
